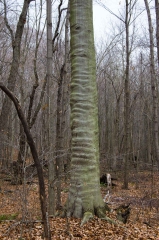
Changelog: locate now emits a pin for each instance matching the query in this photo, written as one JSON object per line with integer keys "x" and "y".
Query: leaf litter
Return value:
{"x": 22, "y": 202}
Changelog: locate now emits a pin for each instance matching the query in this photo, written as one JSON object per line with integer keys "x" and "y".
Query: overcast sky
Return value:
{"x": 103, "y": 20}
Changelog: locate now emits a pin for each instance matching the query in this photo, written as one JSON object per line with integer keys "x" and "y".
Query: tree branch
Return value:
{"x": 58, "y": 24}
{"x": 42, "y": 194}
{"x": 7, "y": 24}
{"x": 32, "y": 121}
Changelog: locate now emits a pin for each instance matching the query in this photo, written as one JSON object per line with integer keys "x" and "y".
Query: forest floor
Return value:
{"x": 20, "y": 212}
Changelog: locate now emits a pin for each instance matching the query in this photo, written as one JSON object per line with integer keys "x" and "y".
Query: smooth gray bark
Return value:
{"x": 84, "y": 199}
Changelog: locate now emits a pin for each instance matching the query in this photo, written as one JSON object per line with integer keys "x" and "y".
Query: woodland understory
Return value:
{"x": 54, "y": 120}
{"x": 20, "y": 216}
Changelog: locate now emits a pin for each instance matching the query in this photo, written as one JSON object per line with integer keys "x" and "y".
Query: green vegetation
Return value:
{"x": 4, "y": 217}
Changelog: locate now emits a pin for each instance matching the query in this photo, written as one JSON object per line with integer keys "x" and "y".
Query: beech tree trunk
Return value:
{"x": 84, "y": 199}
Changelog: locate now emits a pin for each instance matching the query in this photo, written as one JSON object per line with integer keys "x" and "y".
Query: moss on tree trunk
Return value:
{"x": 84, "y": 199}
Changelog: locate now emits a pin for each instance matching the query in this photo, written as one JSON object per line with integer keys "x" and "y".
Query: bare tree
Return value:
{"x": 16, "y": 45}
{"x": 157, "y": 27}
{"x": 52, "y": 117}
{"x": 42, "y": 194}
{"x": 127, "y": 94}
{"x": 31, "y": 118}
{"x": 153, "y": 86}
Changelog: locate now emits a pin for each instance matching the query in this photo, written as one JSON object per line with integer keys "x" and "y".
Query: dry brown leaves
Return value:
{"x": 142, "y": 225}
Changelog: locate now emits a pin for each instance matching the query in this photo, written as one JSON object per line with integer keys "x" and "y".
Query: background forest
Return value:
{"x": 35, "y": 66}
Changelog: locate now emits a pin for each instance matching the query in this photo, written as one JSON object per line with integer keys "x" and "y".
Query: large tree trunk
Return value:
{"x": 84, "y": 197}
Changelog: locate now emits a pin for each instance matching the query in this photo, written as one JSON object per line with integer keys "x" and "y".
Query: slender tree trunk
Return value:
{"x": 157, "y": 28}
{"x": 59, "y": 134}
{"x": 16, "y": 43}
{"x": 31, "y": 118}
{"x": 127, "y": 99}
{"x": 21, "y": 154}
{"x": 117, "y": 132}
{"x": 51, "y": 123}
{"x": 153, "y": 86}
{"x": 42, "y": 194}
{"x": 66, "y": 97}
{"x": 58, "y": 137}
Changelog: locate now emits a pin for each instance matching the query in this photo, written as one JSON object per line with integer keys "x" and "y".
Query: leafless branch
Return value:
{"x": 7, "y": 23}
{"x": 42, "y": 194}
{"x": 58, "y": 23}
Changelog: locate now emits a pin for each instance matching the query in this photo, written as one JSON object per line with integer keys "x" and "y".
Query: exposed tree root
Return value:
{"x": 87, "y": 216}
{"x": 99, "y": 212}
